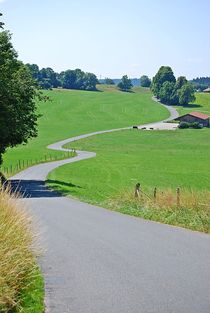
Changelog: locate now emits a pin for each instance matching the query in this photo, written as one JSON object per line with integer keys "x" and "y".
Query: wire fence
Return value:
{"x": 20, "y": 165}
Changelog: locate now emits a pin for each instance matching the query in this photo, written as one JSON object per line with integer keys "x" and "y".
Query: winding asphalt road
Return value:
{"x": 99, "y": 261}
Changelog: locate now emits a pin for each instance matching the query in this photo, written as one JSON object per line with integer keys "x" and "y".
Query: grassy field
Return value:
{"x": 201, "y": 104}
{"x": 160, "y": 159}
{"x": 73, "y": 112}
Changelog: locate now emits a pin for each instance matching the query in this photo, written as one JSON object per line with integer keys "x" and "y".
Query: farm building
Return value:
{"x": 194, "y": 117}
{"x": 207, "y": 89}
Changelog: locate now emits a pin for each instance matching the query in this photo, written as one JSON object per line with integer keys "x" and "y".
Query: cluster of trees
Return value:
{"x": 70, "y": 79}
{"x": 125, "y": 84}
{"x": 171, "y": 91}
{"x": 18, "y": 117}
{"x": 115, "y": 81}
{"x": 201, "y": 83}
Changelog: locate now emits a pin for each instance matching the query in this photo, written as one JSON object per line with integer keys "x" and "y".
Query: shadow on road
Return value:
{"x": 32, "y": 189}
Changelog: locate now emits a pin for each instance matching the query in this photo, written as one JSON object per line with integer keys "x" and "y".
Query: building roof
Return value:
{"x": 196, "y": 114}
{"x": 207, "y": 89}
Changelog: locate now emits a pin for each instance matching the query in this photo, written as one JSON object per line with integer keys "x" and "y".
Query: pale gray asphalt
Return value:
{"x": 98, "y": 261}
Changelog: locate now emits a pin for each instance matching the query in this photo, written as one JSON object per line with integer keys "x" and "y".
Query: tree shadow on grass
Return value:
{"x": 192, "y": 105}
{"x": 63, "y": 188}
{"x": 61, "y": 183}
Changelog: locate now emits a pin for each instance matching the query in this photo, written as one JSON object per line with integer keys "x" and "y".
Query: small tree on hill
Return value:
{"x": 125, "y": 84}
{"x": 145, "y": 81}
{"x": 109, "y": 81}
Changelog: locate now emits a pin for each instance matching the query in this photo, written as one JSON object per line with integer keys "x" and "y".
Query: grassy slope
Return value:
{"x": 74, "y": 112}
{"x": 162, "y": 159}
{"x": 201, "y": 104}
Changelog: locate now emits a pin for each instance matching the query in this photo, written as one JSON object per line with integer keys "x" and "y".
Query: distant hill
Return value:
{"x": 135, "y": 81}
{"x": 201, "y": 82}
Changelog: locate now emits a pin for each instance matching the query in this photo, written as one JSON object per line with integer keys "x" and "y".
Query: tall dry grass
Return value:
{"x": 191, "y": 211}
{"x": 17, "y": 260}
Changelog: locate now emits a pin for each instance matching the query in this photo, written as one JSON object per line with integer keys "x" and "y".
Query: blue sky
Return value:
{"x": 112, "y": 38}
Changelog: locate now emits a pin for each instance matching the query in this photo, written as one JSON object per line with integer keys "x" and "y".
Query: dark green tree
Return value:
{"x": 77, "y": 79}
{"x": 181, "y": 81}
{"x": 145, "y": 81}
{"x": 125, "y": 84}
{"x": 18, "y": 117}
{"x": 90, "y": 81}
{"x": 68, "y": 79}
{"x": 166, "y": 93}
{"x": 48, "y": 78}
{"x": 164, "y": 74}
{"x": 186, "y": 94}
{"x": 34, "y": 70}
{"x": 109, "y": 81}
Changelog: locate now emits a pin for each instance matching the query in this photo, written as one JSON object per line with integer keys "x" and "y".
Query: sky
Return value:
{"x": 112, "y": 38}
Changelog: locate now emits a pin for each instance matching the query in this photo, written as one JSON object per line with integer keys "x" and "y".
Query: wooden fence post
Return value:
{"x": 137, "y": 190}
{"x": 155, "y": 194}
{"x": 178, "y": 196}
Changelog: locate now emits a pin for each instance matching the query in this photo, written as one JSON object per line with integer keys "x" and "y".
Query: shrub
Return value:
{"x": 183, "y": 125}
{"x": 196, "y": 125}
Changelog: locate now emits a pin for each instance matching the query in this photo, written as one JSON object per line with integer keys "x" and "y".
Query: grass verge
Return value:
{"x": 21, "y": 283}
{"x": 192, "y": 211}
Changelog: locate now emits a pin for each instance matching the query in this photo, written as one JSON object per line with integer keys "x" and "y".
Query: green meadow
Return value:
{"x": 73, "y": 112}
{"x": 201, "y": 104}
{"x": 162, "y": 159}
{"x": 155, "y": 159}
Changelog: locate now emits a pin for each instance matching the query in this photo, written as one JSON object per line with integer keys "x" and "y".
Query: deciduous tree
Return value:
{"x": 125, "y": 84}
{"x": 186, "y": 94}
{"x": 165, "y": 74}
{"x": 18, "y": 117}
{"x": 145, "y": 81}
{"x": 109, "y": 81}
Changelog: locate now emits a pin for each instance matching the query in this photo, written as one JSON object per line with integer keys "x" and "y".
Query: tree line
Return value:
{"x": 143, "y": 81}
{"x": 201, "y": 83}
{"x": 46, "y": 78}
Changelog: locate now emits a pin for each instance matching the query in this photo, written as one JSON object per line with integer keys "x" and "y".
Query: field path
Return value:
{"x": 99, "y": 261}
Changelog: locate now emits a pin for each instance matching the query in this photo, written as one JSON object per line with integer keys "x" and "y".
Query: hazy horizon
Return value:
{"x": 112, "y": 38}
